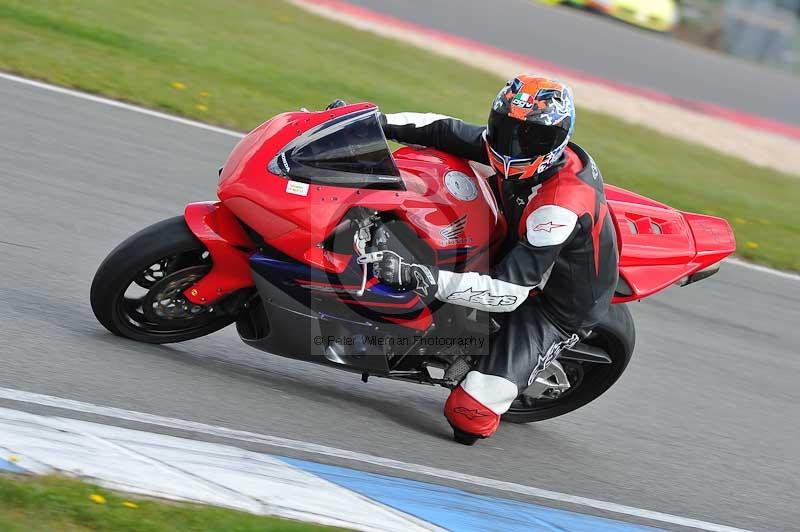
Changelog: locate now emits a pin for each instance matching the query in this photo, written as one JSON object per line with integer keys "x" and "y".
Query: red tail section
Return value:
{"x": 660, "y": 246}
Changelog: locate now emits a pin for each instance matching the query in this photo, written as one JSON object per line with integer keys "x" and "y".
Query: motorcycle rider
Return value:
{"x": 558, "y": 272}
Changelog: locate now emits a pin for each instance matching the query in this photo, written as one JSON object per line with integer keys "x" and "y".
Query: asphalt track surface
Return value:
{"x": 702, "y": 425}
{"x": 608, "y": 49}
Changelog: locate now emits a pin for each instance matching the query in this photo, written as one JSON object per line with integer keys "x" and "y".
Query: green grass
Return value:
{"x": 45, "y": 504}
{"x": 240, "y": 63}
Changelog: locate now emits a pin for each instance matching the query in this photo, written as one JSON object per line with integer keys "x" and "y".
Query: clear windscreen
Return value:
{"x": 350, "y": 151}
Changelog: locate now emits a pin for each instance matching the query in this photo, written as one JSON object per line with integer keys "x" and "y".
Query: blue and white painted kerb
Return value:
{"x": 10, "y": 467}
{"x": 183, "y": 469}
{"x": 455, "y": 509}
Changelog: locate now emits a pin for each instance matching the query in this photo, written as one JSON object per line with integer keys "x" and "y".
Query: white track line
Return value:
{"x": 186, "y": 469}
{"x": 211, "y": 430}
{"x": 120, "y": 105}
{"x": 763, "y": 269}
{"x": 237, "y": 134}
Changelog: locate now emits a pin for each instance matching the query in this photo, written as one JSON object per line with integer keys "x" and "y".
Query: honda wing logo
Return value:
{"x": 455, "y": 229}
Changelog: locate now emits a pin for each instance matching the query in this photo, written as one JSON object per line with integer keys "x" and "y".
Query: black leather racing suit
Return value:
{"x": 561, "y": 251}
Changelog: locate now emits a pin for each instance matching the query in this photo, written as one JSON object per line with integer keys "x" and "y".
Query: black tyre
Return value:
{"x": 137, "y": 290}
{"x": 617, "y": 336}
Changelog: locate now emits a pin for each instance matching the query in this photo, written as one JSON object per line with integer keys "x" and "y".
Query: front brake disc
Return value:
{"x": 165, "y": 301}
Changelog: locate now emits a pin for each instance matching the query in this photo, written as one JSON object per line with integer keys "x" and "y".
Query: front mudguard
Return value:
{"x": 229, "y": 246}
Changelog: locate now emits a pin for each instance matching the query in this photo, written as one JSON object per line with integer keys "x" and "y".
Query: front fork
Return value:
{"x": 229, "y": 247}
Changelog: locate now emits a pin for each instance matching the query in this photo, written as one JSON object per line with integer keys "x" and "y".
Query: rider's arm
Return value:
{"x": 437, "y": 131}
{"x": 526, "y": 267}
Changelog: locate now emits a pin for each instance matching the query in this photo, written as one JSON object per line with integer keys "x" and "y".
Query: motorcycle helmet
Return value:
{"x": 530, "y": 124}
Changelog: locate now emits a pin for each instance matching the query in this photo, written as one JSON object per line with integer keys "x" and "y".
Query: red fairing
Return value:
{"x": 294, "y": 223}
{"x": 467, "y": 414}
{"x": 229, "y": 246}
{"x": 297, "y": 222}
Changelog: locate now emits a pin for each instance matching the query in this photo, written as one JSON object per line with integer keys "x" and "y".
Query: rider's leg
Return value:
{"x": 526, "y": 344}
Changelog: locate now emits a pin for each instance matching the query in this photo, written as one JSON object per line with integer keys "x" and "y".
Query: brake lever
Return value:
{"x": 360, "y": 239}
{"x": 369, "y": 258}
{"x": 365, "y": 260}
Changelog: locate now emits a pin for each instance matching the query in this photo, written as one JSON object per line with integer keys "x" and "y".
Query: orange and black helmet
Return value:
{"x": 530, "y": 124}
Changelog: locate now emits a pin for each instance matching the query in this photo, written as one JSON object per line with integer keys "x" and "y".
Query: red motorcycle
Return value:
{"x": 308, "y": 199}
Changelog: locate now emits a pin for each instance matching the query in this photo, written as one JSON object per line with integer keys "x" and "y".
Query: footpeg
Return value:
{"x": 457, "y": 370}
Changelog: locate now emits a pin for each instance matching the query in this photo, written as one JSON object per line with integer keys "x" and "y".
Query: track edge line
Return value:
{"x": 313, "y": 448}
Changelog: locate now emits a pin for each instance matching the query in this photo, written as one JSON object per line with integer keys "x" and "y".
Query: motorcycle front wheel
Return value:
{"x": 569, "y": 385}
{"x": 137, "y": 291}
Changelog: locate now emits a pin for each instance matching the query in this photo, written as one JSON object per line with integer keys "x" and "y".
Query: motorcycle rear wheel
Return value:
{"x": 616, "y": 335}
{"x": 161, "y": 260}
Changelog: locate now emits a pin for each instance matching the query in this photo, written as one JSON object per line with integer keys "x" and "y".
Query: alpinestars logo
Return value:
{"x": 482, "y": 297}
{"x": 455, "y": 229}
{"x": 424, "y": 279}
{"x": 469, "y": 413}
{"x": 547, "y": 358}
{"x": 549, "y": 226}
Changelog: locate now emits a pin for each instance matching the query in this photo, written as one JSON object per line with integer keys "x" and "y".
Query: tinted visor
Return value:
{"x": 524, "y": 140}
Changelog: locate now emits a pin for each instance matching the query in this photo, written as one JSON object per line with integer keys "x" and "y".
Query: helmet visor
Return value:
{"x": 518, "y": 139}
